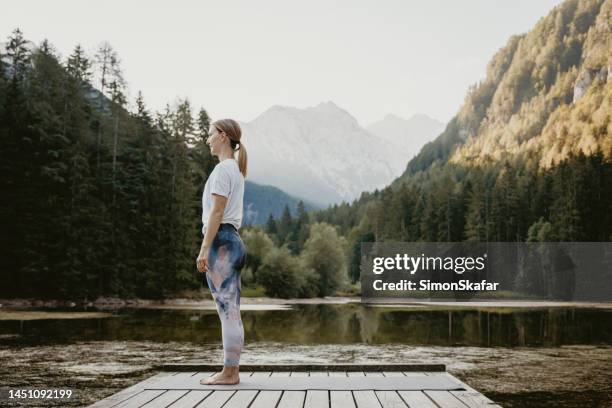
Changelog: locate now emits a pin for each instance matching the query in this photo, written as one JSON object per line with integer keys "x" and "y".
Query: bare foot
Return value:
{"x": 221, "y": 378}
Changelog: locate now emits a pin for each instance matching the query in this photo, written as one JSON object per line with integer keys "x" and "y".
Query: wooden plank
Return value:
{"x": 191, "y": 399}
{"x": 123, "y": 395}
{"x": 474, "y": 399}
{"x": 241, "y": 399}
{"x": 393, "y": 374}
{"x": 318, "y": 373}
{"x": 411, "y": 374}
{"x": 299, "y": 373}
{"x": 444, "y": 399}
{"x": 390, "y": 399}
{"x": 341, "y": 399}
{"x": 316, "y": 399}
{"x": 366, "y": 399}
{"x": 417, "y": 399}
{"x": 261, "y": 374}
{"x": 373, "y": 374}
{"x": 140, "y": 399}
{"x": 355, "y": 373}
{"x": 316, "y": 383}
{"x": 189, "y": 374}
{"x": 292, "y": 399}
{"x": 307, "y": 367}
{"x": 337, "y": 373}
{"x": 470, "y": 396}
{"x": 266, "y": 399}
{"x": 281, "y": 373}
{"x": 216, "y": 399}
{"x": 414, "y": 373}
{"x": 166, "y": 399}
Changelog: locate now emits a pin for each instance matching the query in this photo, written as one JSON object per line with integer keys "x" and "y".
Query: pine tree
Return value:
{"x": 284, "y": 226}
{"x": 200, "y": 149}
{"x": 79, "y": 66}
{"x": 477, "y": 224}
{"x": 15, "y": 163}
{"x": 505, "y": 206}
{"x": 88, "y": 224}
{"x": 271, "y": 228}
{"x": 301, "y": 226}
{"x": 105, "y": 59}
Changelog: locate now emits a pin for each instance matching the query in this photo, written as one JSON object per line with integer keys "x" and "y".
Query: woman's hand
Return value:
{"x": 202, "y": 260}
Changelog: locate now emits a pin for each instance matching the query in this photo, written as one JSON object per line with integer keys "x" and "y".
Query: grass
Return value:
{"x": 353, "y": 289}
{"x": 252, "y": 291}
{"x": 42, "y": 315}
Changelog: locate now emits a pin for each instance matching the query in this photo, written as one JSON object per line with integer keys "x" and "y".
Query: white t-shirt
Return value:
{"x": 225, "y": 180}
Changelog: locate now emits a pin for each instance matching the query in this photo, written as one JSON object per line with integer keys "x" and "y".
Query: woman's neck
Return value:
{"x": 226, "y": 154}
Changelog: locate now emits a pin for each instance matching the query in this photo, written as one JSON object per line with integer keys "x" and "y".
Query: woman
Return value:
{"x": 223, "y": 253}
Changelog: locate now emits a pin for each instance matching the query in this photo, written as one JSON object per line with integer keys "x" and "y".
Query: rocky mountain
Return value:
{"x": 320, "y": 153}
{"x": 528, "y": 157}
{"x": 546, "y": 94}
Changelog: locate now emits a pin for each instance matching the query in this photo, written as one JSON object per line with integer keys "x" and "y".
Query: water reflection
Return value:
{"x": 333, "y": 324}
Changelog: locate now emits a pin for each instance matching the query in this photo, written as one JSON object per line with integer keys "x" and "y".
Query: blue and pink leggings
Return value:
{"x": 226, "y": 259}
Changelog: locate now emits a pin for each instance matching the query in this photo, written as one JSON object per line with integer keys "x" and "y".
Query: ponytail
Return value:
{"x": 242, "y": 159}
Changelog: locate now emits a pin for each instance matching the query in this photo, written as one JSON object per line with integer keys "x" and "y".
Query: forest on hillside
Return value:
{"x": 96, "y": 199}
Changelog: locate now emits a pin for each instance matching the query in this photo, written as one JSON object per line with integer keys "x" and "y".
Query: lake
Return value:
{"x": 516, "y": 356}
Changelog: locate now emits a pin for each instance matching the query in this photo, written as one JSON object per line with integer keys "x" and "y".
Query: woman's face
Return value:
{"x": 215, "y": 140}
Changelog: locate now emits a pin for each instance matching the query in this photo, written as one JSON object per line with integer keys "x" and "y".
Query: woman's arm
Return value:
{"x": 214, "y": 220}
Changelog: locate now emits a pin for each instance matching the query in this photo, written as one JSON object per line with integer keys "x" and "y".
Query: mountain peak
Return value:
{"x": 393, "y": 117}
{"x": 421, "y": 119}
{"x": 327, "y": 105}
{"x": 277, "y": 107}
{"x": 277, "y": 110}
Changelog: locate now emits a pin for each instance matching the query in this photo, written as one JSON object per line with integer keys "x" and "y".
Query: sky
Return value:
{"x": 238, "y": 58}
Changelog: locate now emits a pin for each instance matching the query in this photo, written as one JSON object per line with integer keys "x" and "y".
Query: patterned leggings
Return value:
{"x": 226, "y": 259}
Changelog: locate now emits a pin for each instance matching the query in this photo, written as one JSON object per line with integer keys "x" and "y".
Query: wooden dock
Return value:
{"x": 303, "y": 386}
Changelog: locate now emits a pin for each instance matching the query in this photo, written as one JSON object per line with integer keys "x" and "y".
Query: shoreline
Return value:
{"x": 254, "y": 303}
